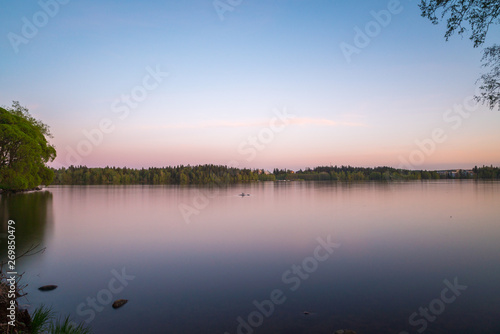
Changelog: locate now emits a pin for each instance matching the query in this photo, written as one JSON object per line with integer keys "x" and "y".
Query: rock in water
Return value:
{"x": 345, "y": 331}
{"x": 119, "y": 303}
{"x": 47, "y": 287}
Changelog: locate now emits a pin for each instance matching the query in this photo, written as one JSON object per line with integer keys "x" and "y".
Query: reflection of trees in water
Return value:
{"x": 32, "y": 213}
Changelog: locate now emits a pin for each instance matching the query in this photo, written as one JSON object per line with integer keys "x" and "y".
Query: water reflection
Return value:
{"x": 32, "y": 213}
{"x": 399, "y": 242}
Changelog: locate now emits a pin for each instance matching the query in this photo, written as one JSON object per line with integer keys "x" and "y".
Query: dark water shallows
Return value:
{"x": 195, "y": 259}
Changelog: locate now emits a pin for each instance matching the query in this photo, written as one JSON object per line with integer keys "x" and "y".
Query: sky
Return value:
{"x": 256, "y": 84}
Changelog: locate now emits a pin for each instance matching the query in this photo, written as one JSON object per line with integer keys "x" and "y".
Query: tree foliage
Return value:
{"x": 24, "y": 150}
{"x": 350, "y": 173}
{"x": 490, "y": 82}
{"x": 476, "y": 17}
{"x": 183, "y": 175}
{"x": 478, "y": 14}
{"x": 221, "y": 175}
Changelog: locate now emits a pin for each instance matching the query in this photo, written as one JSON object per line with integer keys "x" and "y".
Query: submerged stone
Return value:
{"x": 119, "y": 303}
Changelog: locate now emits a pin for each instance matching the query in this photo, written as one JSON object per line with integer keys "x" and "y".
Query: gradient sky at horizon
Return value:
{"x": 228, "y": 79}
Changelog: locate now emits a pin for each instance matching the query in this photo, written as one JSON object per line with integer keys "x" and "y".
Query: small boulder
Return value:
{"x": 119, "y": 303}
{"x": 47, "y": 287}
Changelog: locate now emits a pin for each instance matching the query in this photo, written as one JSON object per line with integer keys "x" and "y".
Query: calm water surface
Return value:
{"x": 198, "y": 259}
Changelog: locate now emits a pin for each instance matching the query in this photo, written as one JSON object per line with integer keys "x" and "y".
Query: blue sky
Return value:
{"x": 226, "y": 79}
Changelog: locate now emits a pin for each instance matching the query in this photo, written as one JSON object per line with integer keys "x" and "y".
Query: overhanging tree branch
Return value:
{"x": 479, "y": 15}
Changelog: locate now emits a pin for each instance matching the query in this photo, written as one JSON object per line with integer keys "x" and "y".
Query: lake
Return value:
{"x": 292, "y": 257}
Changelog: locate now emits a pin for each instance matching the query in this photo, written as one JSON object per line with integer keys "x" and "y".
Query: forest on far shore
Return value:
{"x": 218, "y": 174}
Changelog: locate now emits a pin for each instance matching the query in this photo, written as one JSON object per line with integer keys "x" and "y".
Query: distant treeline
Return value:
{"x": 216, "y": 174}
{"x": 349, "y": 173}
{"x": 205, "y": 174}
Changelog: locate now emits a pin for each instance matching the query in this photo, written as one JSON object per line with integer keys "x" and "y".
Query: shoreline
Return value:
{"x": 7, "y": 192}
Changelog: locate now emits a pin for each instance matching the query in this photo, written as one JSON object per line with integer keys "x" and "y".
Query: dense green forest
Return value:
{"x": 205, "y": 174}
{"x": 216, "y": 174}
{"x": 349, "y": 173}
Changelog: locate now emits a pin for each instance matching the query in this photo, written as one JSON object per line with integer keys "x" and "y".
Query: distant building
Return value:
{"x": 454, "y": 173}
{"x": 262, "y": 171}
